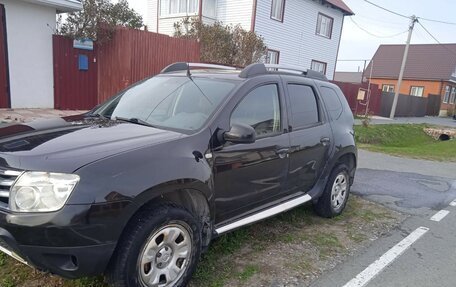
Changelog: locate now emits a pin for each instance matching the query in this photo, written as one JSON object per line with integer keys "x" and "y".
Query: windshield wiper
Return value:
{"x": 133, "y": 121}
{"x": 97, "y": 115}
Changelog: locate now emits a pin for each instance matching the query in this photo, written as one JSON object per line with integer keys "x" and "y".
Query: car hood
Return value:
{"x": 66, "y": 144}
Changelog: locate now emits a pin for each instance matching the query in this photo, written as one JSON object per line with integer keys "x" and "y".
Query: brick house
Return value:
{"x": 430, "y": 69}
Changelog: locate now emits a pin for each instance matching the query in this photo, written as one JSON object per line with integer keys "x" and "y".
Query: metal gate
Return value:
{"x": 75, "y": 84}
{"x": 433, "y": 105}
{"x": 4, "y": 77}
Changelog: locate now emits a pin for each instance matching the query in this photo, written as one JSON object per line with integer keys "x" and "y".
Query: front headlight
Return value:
{"x": 41, "y": 191}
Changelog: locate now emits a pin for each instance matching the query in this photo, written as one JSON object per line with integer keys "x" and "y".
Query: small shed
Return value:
{"x": 26, "y": 58}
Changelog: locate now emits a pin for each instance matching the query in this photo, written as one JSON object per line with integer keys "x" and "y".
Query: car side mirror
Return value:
{"x": 240, "y": 133}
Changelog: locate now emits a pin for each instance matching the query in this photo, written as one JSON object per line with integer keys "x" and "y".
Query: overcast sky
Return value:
{"x": 358, "y": 44}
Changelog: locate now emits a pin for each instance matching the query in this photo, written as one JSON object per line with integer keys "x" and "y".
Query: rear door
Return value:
{"x": 310, "y": 133}
{"x": 4, "y": 91}
{"x": 248, "y": 176}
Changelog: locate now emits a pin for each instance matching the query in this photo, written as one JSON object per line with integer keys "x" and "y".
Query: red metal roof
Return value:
{"x": 341, "y": 5}
{"x": 424, "y": 62}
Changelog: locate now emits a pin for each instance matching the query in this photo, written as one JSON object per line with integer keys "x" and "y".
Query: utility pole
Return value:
{"x": 414, "y": 19}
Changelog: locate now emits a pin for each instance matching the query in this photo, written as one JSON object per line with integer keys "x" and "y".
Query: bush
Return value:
{"x": 222, "y": 44}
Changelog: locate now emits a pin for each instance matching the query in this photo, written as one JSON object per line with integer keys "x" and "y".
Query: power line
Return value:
{"x": 433, "y": 37}
{"x": 437, "y": 21}
{"x": 388, "y": 10}
{"x": 408, "y": 17}
{"x": 372, "y": 34}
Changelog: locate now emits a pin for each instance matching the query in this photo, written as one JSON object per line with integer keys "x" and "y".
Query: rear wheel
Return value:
{"x": 335, "y": 196}
{"x": 161, "y": 250}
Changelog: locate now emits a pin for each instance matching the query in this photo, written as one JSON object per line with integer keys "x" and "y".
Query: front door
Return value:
{"x": 4, "y": 90}
{"x": 252, "y": 175}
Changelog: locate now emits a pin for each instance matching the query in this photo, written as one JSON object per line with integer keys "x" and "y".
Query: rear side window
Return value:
{"x": 332, "y": 102}
{"x": 260, "y": 109}
{"x": 304, "y": 107}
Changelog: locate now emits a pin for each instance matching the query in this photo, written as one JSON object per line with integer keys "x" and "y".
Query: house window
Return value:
{"x": 416, "y": 91}
{"x": 278, "y": 10}
{"x": 324, "y": 25}
{"x": 272, "y": 57}
{"x": 388, "y": 88}
{"x": 318, "y": 66}
{"x": 210, "y": 8}
{"x": 453, "y": 95}
{"x": 446, "y": 97}
{"x": 178, "y": 7}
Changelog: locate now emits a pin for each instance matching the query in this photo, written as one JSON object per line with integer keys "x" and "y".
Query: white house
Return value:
{"x": 26, "y": 66}
{"x": 299, "y": 32}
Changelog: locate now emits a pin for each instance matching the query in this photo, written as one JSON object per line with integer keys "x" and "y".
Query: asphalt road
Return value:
{"x": 420, "y": 189}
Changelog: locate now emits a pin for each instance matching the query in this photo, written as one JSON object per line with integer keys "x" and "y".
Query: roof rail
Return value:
{"x": 261, "y": 69}
{"x": 253, "y": 70}
{"x": 184, "y": 66}
{"x": 293, "y": 68}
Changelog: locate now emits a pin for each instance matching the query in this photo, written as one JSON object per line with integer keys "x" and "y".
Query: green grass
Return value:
{"x": 248, "y": 272}
{"x": 405, "y": 140}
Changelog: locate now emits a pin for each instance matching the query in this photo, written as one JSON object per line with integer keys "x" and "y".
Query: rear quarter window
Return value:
{"x": 332, "y": 102}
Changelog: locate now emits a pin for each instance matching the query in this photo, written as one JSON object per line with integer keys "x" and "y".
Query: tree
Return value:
{"x": 99, "y": 19}
{"x": 222, "y": 44}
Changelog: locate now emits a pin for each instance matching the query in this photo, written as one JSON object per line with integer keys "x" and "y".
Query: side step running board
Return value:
{"x": 265, "y": 214}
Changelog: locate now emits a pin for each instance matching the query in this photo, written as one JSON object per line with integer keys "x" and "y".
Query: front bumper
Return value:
{"x": 74, "y": 242}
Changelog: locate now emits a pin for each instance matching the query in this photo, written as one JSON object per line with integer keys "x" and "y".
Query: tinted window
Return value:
{"x": 169, "y": 102}
{"x": 332, "y": 102}
{"x": 304, "y": 108}
{"x": 259, "y": 109}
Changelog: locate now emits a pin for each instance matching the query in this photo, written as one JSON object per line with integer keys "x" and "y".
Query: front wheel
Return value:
{"x": 335, "y": 196}
{"x": 161, "y": 250}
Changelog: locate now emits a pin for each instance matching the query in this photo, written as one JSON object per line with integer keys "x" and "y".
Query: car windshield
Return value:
{"x": 181, "y": 103}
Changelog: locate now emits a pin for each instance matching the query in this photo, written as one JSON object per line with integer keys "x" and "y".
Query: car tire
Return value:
{"x": 163, "y": 246}
{"x": 335, "y": 196}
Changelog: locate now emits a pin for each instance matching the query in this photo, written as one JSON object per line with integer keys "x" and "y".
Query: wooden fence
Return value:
{"x": 131, "y": 56}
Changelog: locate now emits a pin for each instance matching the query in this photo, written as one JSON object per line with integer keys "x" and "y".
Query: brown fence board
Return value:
{"x": 407, "y": 105}
{"x": 134, "y": 55}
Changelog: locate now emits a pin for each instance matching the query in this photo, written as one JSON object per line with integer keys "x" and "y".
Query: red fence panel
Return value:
{"x": 358, "y": 107}
{"x": 74, "y": 89}
{"x": 133, "y": 55}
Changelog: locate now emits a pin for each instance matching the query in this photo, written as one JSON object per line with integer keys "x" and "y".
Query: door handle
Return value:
{"x": 325, "y": 141}
{"x": 282, "y": 153}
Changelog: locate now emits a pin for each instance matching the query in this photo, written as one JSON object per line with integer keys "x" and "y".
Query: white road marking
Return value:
{"x": 453, "y": 203}
{"x": 439, "y": 215}
{"x": 375, "y": 268}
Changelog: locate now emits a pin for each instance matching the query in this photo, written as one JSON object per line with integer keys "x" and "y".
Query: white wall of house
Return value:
{"x": 151, "y": 18}
{"x": 235, "y": 12}
{"x": 29, "y": 38}
{"x": 296, "y": 37}
{"x": 228, "y": 11}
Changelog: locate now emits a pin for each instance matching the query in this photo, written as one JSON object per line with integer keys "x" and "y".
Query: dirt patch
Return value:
{"x": 291, "y": 249}
{"x": 294, "y": 248}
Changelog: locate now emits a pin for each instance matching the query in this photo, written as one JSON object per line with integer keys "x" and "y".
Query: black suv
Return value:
{"x": 140, "y": 185}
